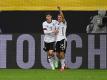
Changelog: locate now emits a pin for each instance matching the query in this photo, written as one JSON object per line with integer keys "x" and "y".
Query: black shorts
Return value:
{"x": 49, "y": 46}
{"x": 61, "y": 46}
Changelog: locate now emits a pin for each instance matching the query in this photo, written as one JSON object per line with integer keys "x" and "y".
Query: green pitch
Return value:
{"x": 43, "y": 74}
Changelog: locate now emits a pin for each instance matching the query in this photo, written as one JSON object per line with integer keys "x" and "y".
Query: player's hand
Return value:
{"x": 55, "y": 31}
{"x": 59, "y": 7}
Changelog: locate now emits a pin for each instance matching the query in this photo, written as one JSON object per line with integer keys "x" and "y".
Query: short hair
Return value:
{"x": 48, "y": 13}
{"x": 59, "y": 15}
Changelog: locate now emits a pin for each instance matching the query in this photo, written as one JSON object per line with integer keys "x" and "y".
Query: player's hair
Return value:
{"x": 59, "y": 15}
{"x": 48, "y": 13}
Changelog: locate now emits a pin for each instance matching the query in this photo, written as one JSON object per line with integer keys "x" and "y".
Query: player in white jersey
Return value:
{"x": 50, "y": 32}
{"x": 61, "y": 40}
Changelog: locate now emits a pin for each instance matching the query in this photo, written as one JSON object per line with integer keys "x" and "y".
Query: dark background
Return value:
{"x": 31, "y": 21}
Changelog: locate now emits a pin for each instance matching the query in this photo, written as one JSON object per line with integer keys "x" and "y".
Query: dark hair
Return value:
{"x": 59, "y": 14}
{"x": 48, "y": 13}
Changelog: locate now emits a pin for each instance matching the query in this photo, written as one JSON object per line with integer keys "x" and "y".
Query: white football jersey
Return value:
{"x": 48, "y": 27}
{"x": 62, "y": 26}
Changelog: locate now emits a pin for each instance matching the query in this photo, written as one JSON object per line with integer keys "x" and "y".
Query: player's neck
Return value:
{"x": 60, "y": 21}
{"x": 49, "y": 21}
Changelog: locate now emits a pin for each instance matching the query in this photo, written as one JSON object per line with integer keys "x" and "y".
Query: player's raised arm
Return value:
{"x": 61, "y": 13}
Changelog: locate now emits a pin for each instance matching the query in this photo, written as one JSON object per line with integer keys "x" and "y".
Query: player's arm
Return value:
{"x": 45, "y": 30}
{"x": 61, "y": 13}
{"x": 94, "y": 19}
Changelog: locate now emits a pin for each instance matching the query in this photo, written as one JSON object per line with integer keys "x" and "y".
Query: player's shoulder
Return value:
{"x": 64, "y": 22}
{"x": 44, "y": 22}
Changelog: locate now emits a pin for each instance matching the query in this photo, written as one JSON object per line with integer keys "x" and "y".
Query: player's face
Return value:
{"x": 102, "y": 13}
{"x": 60, "y": 18}
{"x": 49, "y": 18}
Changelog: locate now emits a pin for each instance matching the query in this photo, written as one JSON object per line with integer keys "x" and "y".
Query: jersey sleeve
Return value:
{"x": 45, "y": 29}
{"x": 65, "y": 22}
